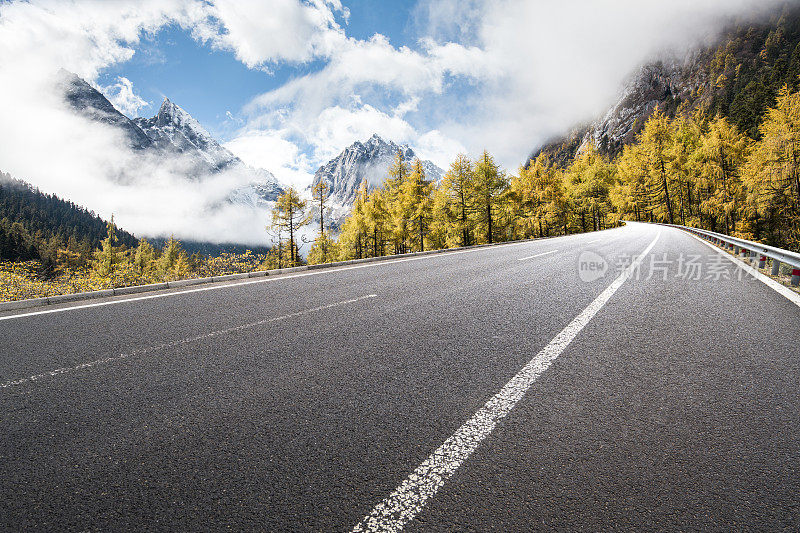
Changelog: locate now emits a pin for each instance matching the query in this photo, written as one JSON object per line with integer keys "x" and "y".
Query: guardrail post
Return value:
{"x": 795, "y": 277}
{"x": 736, "y": 250}
{"x": 776, "y": 267}
{"x": 762, "y": 262}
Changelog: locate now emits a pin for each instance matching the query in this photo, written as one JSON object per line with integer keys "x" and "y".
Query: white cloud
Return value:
{"x": 121, "y": 95}
{"x": 373, "y": 66}
{"x": 557, "y": 64}
{"x": 412, "y": 104}
{"x": 497, "y": 74}
{"x": 270, "y": 150}
{"x": 260, "y": 33}
{"x": 438, "y": 147}
{"x": 337, "y": 128}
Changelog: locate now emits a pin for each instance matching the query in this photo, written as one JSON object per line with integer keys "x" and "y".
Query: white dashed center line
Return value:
{"x": 173, "y": 344}
{"x": 402, "y": 505}
{"x": 537, "y": 255}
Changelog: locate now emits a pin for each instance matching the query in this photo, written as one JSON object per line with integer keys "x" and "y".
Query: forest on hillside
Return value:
{"x": 50, "y": 246}
{"x": 746, "y": 72}
{"x": 38, "y": 226}
{"x": 693, "y": 170}
{"x": 724, "y": 158}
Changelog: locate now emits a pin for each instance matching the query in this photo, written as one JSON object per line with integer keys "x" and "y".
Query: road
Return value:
{"x": 312, "y": 402}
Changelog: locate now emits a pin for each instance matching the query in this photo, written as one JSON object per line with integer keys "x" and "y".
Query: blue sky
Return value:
{"x": 204, "y": 67}
{"x": 208, "y": 82}
{"x": 286, "y": 85}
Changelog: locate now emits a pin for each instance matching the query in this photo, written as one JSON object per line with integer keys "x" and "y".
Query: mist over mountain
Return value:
{"x": 174, "y": 135}
{"x": 737, "y": 76}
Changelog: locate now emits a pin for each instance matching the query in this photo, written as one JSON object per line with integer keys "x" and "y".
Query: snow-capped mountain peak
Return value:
{"x": 90, "y": 103}
{"x": 172, "y": 116}
{"x": 172, "y": 134}
{"x": 172, "y": 128}
{"x": 366, "y": 161}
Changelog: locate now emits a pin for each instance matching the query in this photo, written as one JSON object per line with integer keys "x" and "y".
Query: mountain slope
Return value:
{"x": 173, "y": 129}
{"x": 173, "y": 133}
{"x": 738, "y": 77}
{"x": 89, "y": 102}
{"x": 369, "y": 162}
{"x": 34, "y": 225}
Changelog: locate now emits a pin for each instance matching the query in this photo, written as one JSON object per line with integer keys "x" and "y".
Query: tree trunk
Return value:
{"x": 321, "y": 214}
{"x": 666, "y": 193}
{"x": 489, "y": 219}
{"x": 465, "y": 233}
{"x": 291, "y": 246}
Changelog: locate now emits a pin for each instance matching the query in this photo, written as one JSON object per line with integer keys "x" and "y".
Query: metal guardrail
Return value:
{"x": 757, "y": 251}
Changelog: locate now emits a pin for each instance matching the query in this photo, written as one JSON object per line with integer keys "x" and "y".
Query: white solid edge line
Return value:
{"x": 172, "y": 344}
{"x": 766, "y": 280}
{"x": 267, "y": 280}
{"x": 402, "y": 505}
{"x": 537, "y": 255}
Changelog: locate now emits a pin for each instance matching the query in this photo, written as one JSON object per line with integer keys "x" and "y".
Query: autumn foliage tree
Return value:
{"x": 288, "y": 216}
{"x": 692, "y": 170}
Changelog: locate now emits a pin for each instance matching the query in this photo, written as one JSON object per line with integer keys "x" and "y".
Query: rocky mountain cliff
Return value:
{"x": 174, "y": 129}
{"x": 738, "y": 78}
{"x": 173, "y": 133}
{"x": 369, "y": 162}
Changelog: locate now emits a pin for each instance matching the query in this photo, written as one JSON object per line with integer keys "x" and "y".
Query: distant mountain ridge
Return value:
{"x": 172, "y": 132}
{"x": 369, "y": 162}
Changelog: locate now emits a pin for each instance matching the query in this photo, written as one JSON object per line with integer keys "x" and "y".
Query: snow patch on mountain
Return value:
{"x": 178, "y": 141}
{"x": 174, "y": 129}
{"x": 369, "y": 162}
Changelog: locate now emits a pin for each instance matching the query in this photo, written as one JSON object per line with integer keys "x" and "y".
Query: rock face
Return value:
{"x": 361, "y": 162}
{"x": 654, "y": 85}
{"x": 173, "y": 129}
{"x": 92, "y": 104}
{"x": 738, "y": 76}
{"x": 661, "y": 84}
{"x": 173, "y": 133}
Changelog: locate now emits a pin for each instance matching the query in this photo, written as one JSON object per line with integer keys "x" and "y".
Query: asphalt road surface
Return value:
{"x": 578, "y": 383}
